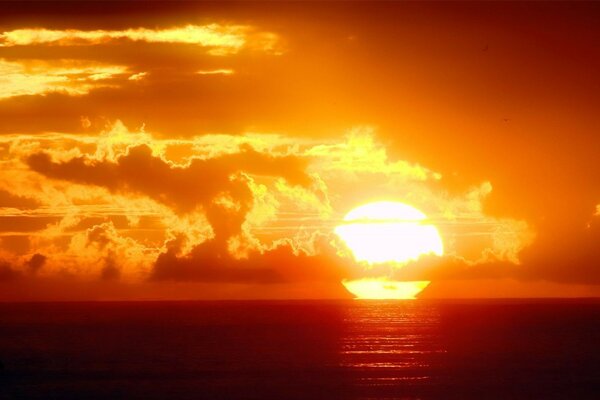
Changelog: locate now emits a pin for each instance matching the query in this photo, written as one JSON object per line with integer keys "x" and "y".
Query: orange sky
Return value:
{"x": 200, "y": 150}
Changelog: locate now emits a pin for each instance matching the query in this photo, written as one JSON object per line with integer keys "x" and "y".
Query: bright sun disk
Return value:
{"x": 388, "y": 232}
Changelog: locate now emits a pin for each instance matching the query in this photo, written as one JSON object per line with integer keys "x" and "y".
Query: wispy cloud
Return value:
{"x": 220, "y": 39}
{"x": 71, "y": 77}
{"x": 138, "y": 77}
{"x": 216, "y": 72}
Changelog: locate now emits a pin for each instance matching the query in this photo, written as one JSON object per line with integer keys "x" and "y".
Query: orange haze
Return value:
{"x": 208, "y": 151}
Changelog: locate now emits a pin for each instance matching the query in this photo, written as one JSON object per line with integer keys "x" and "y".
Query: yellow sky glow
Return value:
{"x": 225, "y": 145}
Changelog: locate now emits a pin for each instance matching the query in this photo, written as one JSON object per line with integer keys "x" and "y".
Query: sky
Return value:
{"x": 209, "y": 150}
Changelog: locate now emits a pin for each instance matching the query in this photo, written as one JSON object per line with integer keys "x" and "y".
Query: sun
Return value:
{"x": 388, "y": 232}
{"x": 383, "y": 288}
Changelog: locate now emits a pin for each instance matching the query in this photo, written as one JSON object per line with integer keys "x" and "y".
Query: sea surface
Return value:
{"x": 500, "y": 349}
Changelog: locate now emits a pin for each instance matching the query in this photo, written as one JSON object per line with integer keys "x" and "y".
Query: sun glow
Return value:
{"x": 388, "y": 232}
{"x": 381, "y": 288}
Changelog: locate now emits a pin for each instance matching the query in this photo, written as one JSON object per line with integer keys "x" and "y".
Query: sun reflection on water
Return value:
{"x": 390, "y": 342}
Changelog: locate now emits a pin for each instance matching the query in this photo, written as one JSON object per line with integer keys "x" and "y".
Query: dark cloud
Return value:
{"x": 571, "y": 256}
{"x": 111, "y": 270}
{"x": 182, "y": 188}
{"x": 101, "y": 234}
{"x": 435, "y": 268}
{"x": 25, "y": 223}
{"x": 36, "y": 262}
{"x": 209, "y": 262}
{"x": 11, "y": 200}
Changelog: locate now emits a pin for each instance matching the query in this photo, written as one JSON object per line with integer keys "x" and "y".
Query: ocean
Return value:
{"x": 471, "y": 349}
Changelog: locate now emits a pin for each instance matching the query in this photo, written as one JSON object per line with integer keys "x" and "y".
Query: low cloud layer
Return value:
{"x": 255, "y": 209}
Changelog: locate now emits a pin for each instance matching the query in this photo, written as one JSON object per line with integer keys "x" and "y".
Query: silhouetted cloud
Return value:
{"x": 208, "y": 262}
{"x": 36, "y": 262}
{"x": 571, "y": 256}
{"x": 110, "y": 271}
{"x": 11, "y": 200}
{"x": 182, "y": 188}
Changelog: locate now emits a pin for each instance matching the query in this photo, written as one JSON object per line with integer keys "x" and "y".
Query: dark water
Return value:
{"x": 312, "y": 350}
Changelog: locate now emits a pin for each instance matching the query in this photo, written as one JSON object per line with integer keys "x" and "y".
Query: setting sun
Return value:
{"x": 388, "y": 232}
{"x": 381, "y": 288}
{"x": 284, "y": 199}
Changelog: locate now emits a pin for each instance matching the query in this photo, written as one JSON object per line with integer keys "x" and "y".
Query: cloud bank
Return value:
{"x": 254, "y": 209}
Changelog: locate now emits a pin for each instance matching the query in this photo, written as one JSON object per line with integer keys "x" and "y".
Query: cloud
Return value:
{"x": 70, "y": 77}
{"x": 13, "y": 201}
{"x": 36, "y": 262}
{"x": 219, "y": 186}
{"x": 360, "y": 153}
{"x": 219, "y": 39}
{"x": 130, "y": 205}
{"x": 182, "y": 188}
{"x": 138, "y": 77}
{"x": 223, "y": 71}
{"x": 571, "y": 256}
{"x": 208, "y": 262}
{"x": 104, "y": 252}
{"x": 110, "y": 271}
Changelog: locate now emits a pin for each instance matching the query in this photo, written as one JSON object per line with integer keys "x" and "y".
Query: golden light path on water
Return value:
{"x": 390, "y": 345}
{"x": 391, "y": 233}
